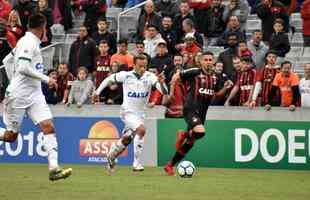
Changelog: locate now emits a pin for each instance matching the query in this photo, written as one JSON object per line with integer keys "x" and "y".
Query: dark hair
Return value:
{"x": 152, "y": 26}
{"x": 257, "y": 31}
{"x": 247, "y": 59}
{"x": 184, "y": 1}
{"x": 229, "y": 34}
{"x": 271, "y": 52}
{"x": 51, "y": 71}
{"x": 102, "y": 19}
{"x": 177, "y": 54}
{"x": 123, "y": 41}
{"x": 36, "y": 21}
{"x": 140, "y": 42}
{"x": 286, "y": 62}
{"x": 279, "y": 21}
{"x": 103, "y": 42}
{"x": 139, "y": 57}
{"x": 189, "y": 22}
{"x": 242, "y": 41}
{"x": 207, "y": 53}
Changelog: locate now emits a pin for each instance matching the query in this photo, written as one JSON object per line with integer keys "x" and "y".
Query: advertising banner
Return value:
{"x": 242, "y": 144}
{"x": 80, "y": 140}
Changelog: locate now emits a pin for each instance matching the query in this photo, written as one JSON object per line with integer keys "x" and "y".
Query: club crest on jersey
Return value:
{"x": 206, "y": 91}
{"x": 138, "y": 94}
{"x": 39, "y": 67}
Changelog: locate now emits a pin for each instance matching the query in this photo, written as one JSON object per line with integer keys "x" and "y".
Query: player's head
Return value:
{"x": 286, "y": 68}
{"x": 63, "y": 69}
{"x": 36, "y": 24}
{"x": 140, "y": 62}
{"x": 207, "y": 60}
{"x": 82, "y": 73}
{"x": 271, "y": 57}
{"x": 246, "y": 63}
{"x": 103, "y": 47}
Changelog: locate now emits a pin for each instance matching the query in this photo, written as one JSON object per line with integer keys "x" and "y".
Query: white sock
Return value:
{"x": 116, "y": 149}
{"x": 2, "y": 131}
{"x": 51, "y": 146}
{"x": 137, "y": 149}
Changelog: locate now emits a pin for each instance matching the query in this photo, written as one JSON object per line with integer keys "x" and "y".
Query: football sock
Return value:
{"x": 116, "y": 149}
{"x": 2, "y": 131}
{"x": 179, "y": 155}
{"x": 51, "y": 146}
{"x": 138, "y": 148}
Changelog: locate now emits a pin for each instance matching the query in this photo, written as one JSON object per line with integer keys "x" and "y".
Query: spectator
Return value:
{"x": 104, "y": 34}
{"x": 222, "y": 78}
{"x": 42, "y": 7}
{"x": 287, "y": 83}
{"x": 200, "y": 10}
{"x": 114, "y": 92}
{"x": 268, "y": 11}
{"x": 82, "y": 52}
{"x": 226, "y": 57}
{"x": 239, "y": 8}
{"x": 178, "y": 63}
{"x": 168, "y": 34}
{"x": 304, "y": 87}
{"x": 122, "y": 3}
{"x": 147, "y": 17}
{"x": 244, "y": 51}
{"x": 305, "y": 15}
{"x": 102, "y": 63}
{"x": 94, "y": 10}
{"x": 233, "y": 26}
{"x": 64, "y": 82}
{"x": 162, "y": 60}
{"x": 180, "y": 17}
{"x": 24, "y": 8}
{"x": 167, "y": 8}
{"x": 258, "y": 48}
{"x": 152, "y": 38}
{"x": 236, "y": 68}
{"x": 62, "y": 13}
{"x": 140, "y": 49}
{"x": 279, "y": 41}
{"x": 244, "y": 85}
{"x": 216, "y": 25}
{"x": 188, "y": 28}
{"x": 81, "y": 89}
{"x": 191, "y": 48}
{"x": 264, "y": 79}
{"x": 50, "y": 90}
{"x": 175, "y": 100}
{"x": 122, "y": 56}
{"x": 5, "y": 9}
{"x": 14, "y": 28}
{"x": 4, "y": 45}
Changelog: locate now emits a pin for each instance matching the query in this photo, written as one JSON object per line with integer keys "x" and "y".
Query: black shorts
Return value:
{"x": 194, "y": 117}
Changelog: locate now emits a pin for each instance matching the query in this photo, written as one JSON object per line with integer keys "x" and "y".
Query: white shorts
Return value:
{"x": 13, "y": 115}
{"x": 132, "y": 120}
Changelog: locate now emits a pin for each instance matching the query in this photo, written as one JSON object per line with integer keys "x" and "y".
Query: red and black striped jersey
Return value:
{"x": 102, "y": 68}
{"x": 246, "y": 83}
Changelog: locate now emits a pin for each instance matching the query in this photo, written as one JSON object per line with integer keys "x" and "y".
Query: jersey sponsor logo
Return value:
{"x": 206, "y": 91}
{"x": 138, "y": 94}
{"x": 246, "y": 87}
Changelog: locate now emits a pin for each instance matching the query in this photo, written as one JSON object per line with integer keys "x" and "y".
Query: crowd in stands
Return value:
{"x": 173, "y": 35}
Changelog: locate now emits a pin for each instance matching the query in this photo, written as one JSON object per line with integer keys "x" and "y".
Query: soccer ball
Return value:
{"x": 186, "y": 169}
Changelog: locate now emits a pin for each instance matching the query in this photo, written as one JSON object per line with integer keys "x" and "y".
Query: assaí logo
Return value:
{"x": 100, "y": 139}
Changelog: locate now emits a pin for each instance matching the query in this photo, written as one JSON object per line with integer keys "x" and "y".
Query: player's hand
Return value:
{"x": 95, "y": 99}
{"x": 246, "y": 103}
{"x": 267, "y": 107}
{"x": 68, "y": 104}
{"x": 292, "y": 108}
{"x": 227, "y": 103}
{"x": 79, "y": 105}
{"x": 52, "y": 82}
{"x": 161, "y": 78}
{"x": 175, "y": 77}
{"x": 252, "y": 104}
{"x": 151, "y": 105}
{"x": 113, "y": 87}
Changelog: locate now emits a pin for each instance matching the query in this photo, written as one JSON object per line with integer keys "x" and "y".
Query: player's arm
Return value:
{"x": 232, "y": 94}
{"x": 113, "y": 78}
{"x": 160, "y": 84}
{"x": 189, "y": 73}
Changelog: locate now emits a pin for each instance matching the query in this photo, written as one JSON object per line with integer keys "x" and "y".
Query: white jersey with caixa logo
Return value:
{"x": 136, "y": 90}
{"x": 22, "y": 86}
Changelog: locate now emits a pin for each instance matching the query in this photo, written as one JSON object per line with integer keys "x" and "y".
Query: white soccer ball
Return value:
{"x": 186, "y": 169}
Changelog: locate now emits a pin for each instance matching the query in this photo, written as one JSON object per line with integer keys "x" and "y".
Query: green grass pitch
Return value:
{"x": 30, "y": 182}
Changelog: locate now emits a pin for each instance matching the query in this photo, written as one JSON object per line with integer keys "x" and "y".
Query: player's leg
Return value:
{"x": 138, "y": 145}
{"x": 41, "y": 114}
{"x": 12, "y": 118}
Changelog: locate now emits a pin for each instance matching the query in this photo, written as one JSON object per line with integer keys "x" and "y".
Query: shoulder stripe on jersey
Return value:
{"x": 24, "y": 58}
{"x": 191, "y": 69}
{"x": 115, "y": 78}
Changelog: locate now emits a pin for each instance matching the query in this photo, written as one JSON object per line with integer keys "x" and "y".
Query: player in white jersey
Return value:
{"x": 137, "y": 86}
{"x": 24, "y": 95}
{"x": 304, "y": 87}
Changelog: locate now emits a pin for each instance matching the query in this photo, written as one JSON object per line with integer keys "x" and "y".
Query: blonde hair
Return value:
{"x": 10, "y": 20}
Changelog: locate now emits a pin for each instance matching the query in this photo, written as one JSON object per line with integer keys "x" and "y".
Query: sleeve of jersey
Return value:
{"x": 114, "y": 78}
{"x": 25, "y": 68}
{"x": 162, "y": 88}
{"x": 189, "y": 73}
